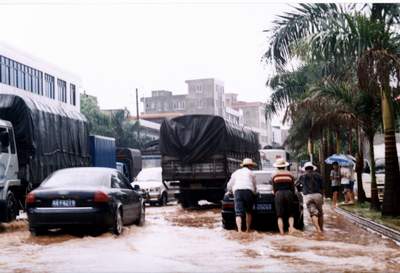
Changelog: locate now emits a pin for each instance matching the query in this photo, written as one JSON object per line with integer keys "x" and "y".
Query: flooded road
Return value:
{"x": 177, "y": 240}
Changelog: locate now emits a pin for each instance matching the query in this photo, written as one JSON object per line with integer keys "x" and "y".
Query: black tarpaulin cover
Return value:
{"x": 192, "y": 138}
{"x": 48, "y": 137}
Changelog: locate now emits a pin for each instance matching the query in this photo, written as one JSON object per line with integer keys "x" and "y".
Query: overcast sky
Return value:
{"x": 117, "y": 46}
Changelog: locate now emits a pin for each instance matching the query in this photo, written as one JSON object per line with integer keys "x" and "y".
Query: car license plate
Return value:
{"x": 63, "y": 203}
{"x": 264, "y": 207}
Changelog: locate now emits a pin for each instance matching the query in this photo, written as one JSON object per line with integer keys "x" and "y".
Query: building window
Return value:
{"x": 49, "y": 86}
{"x": 72, "y": 94}
{"x": 62, "y": 90}
{"x": 13, "y": 73}
{"x": 28, "y": 78}
{"x": 20, "y": 76}
{"x": 5, "y": 70}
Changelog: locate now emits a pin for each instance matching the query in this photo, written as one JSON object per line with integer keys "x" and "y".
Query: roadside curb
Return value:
{"x": 371, "y": 225}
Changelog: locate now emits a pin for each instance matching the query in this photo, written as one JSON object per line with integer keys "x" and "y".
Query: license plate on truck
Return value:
{"x": 263, "y": 207}
{"x": 63, "y": 203}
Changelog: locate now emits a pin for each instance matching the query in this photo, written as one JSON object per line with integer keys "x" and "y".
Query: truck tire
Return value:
{"x": 118, "y": 223}
{"x": 187, "y": 202}
{"x": 12, "y": 207}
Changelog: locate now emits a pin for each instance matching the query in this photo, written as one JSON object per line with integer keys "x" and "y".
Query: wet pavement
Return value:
{"x": 177, "y": 240}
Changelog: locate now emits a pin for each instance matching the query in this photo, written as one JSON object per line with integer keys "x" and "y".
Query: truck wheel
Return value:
{"x": 118, "y": 225}
{"x": 12, "y": 207}
{"x": 164, "y": 199}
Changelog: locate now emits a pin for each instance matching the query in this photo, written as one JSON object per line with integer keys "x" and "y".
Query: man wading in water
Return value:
{"x": 243, "y": 185}
{"x": 313, "y": 184}
{"x": 283, "y": 185}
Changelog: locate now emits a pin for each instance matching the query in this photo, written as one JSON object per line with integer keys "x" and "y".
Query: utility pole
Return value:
{"x": 137, "y": 117}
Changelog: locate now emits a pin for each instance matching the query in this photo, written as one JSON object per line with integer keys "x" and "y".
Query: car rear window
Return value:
{"x": 77, "y": 178}
{"x": 263, "y": 178}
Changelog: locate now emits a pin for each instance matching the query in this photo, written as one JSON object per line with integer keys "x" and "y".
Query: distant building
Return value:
{"x": 25, "y": 75}
{"x": 234, "y": 116}
{"x": 159, "y": 117}
{"x": 276, "y": 136}
{"x": 149, "y": 129}
{"x": 163, "y": 101}
{"x": 205, "y": 96}
{"x": 254, "y": 118}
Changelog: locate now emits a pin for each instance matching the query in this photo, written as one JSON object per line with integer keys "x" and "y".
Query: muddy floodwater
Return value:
{"x": 177, "y": 240}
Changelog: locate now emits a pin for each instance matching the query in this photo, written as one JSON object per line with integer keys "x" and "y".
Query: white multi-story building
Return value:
{"x": 205, "y": 96}
{"x": 25, "y": 75}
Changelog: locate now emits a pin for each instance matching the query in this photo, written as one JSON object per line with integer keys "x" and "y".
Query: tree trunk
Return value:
{"x": 391, "y": 199}
{"x": 361, "y": 198}
{"x": 374, "y": 190}
{"x": 350, "y": 144}
{"x": 310, "y": 148}
{"x": 324, "y": 166}
{"x": 337, "y": 142}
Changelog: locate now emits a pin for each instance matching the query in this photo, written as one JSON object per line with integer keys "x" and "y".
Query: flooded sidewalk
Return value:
{"x": 177, "y": 240}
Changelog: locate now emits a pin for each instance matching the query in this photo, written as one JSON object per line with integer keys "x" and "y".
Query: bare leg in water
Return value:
{"x": 248, "y": 221}
{"x": 280, "y": 226}
{"x": 239, "y": 223}
{"x": 315, "y": 221}
{"x": 291, "y": 225}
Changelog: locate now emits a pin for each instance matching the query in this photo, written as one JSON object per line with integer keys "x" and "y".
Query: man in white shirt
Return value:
{"x": 243, "y": 185}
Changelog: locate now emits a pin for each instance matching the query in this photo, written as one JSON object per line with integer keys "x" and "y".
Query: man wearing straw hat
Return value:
{"x": 243, "y": 185}
{"x": 313, "y": 184}
{"x": 283, "y": 185}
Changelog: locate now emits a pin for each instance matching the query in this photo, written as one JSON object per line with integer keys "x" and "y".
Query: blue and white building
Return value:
{"x": 25, "y": 75}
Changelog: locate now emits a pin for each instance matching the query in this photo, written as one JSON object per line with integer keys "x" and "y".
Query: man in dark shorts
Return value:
{"x": 283, "y": 185}
{"x": 243, "y": 185}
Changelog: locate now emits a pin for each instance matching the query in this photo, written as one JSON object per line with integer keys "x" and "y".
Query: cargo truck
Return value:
{"x": 129, "y": 162}
{"x": 201, "y": 152}
{"x": 36, "y": 139}
{"x": 102, "y": 151}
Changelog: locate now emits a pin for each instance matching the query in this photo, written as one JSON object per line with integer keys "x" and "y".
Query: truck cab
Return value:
{"x": 9, "y": 182}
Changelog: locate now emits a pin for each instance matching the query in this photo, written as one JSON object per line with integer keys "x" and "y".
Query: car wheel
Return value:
{"x": 12, "y": 207}
{"x": 37, "y": 231}
{"x": 164, "y": 199}
{"x": 142, "y": 216}
{"x": 118, "y": 225}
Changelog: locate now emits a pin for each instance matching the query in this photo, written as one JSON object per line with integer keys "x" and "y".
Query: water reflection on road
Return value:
{"x": 180, "y": 240}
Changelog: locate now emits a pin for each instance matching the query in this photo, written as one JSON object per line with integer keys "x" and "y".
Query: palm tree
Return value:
{"x": 338, "y": 34}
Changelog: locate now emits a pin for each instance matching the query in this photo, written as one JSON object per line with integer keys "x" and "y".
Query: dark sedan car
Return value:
{"x": 264, "y": 217}
{"x": 98, "y": 197}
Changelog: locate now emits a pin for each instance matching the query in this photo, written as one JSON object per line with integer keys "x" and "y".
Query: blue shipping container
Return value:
{"x": 102, "y": 151}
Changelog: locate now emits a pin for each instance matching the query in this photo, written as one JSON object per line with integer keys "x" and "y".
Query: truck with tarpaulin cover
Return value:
{"x": 129, "y": 162}
{"x": 36, "y": 138}
{"x": 201, "y": 152}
